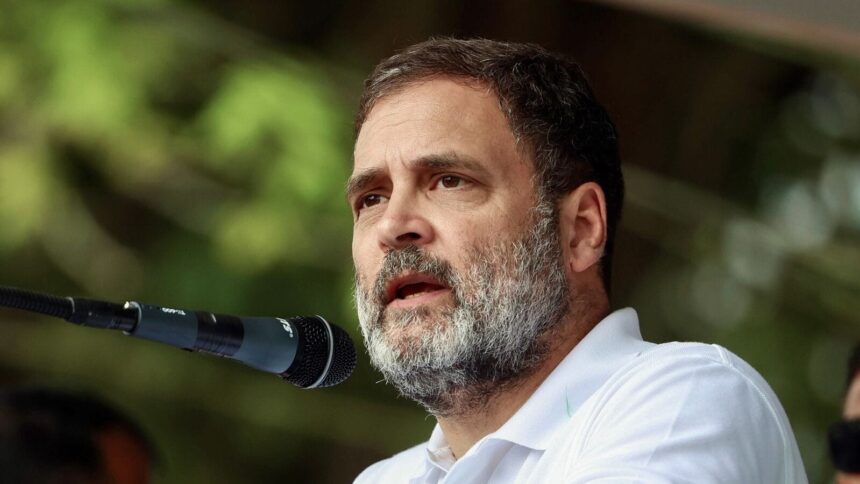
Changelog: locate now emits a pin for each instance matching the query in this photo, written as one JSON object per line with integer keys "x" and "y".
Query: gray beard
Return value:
{"x": 506, "y": 303}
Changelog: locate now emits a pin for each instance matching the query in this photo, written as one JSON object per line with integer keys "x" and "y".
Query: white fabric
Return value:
{"x": 618, "y": 409}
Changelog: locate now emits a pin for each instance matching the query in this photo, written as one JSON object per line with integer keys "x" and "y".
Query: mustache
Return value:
{"x": 412, "y": 259}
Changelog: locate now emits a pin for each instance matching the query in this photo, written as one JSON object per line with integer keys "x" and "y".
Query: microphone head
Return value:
{"x": 325, "y": 355}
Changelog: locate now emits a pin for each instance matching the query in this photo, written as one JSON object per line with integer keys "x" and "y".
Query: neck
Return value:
{"x": 463, "y": 429}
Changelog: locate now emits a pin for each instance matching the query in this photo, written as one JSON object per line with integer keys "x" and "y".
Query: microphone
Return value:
{"x": 306, "y": 351}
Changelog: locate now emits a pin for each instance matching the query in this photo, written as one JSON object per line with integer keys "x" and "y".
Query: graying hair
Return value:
{"x": 547, "y": 100}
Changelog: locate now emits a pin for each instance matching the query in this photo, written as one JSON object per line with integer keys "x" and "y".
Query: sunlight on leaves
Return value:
{"x": 27, "y": 189}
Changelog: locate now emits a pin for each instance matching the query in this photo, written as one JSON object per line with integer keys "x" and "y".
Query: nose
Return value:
{"x": 403, "y": 224}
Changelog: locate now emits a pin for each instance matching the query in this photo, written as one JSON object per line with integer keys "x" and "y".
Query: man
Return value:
{"x": 486, "y": 193}
{"x": 57, "y": 437}
{"x": 845, "y": 435}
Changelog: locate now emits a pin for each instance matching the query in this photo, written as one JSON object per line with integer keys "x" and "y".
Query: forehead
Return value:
{"x": 436, "y": 116}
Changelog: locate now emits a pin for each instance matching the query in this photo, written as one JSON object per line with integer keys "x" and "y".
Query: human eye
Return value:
{"x": 451, "y": 181}
{"x": 370, "y": 200}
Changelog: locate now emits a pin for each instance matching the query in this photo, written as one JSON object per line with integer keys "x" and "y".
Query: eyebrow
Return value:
{"x": 437, "y": 161}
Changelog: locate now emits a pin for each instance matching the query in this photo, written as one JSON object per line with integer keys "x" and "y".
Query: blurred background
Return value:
{"x": 193, "y": 154}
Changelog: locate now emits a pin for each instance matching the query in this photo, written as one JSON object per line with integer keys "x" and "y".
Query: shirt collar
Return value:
{"x": 610, "y": 344}
{"x": 439, "y": 452}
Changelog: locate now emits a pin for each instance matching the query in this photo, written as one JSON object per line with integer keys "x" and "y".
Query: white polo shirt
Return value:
{"x": 618, "y": 409}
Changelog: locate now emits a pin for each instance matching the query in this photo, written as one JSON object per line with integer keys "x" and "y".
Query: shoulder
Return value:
{"x": 397, "y": 468}
{"x": 693, "y": 358}
{"x": 710, "y": 370}
{"x": 695, "y": 382}
{"x": 693, "y": 410}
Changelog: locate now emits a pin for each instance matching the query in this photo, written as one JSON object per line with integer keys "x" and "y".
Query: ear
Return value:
{"x": 582, "y": 220}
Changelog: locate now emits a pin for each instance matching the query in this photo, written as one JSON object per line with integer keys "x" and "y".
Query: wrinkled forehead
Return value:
{"x": 438, "y": 115}
{"x": 398, "y": 83}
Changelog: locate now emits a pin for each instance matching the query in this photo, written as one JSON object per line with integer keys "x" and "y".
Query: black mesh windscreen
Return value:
{"x": 343, "y": 361}
{"x": 313, "y": 353}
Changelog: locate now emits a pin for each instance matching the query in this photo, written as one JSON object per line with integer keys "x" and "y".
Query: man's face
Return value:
{"x": 447, "y": 175}
{"x": 457, "y": 263}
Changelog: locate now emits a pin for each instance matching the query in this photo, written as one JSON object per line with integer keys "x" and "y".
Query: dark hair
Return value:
{"x": 547, "y": 100}
{"x": 49, "y": 435}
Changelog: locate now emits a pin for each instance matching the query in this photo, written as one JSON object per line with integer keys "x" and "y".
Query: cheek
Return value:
{"x": 355, "y": 252}
{"x": 364, "y": 261}
{"x": 360, "y": 246}
{"x": 456, "y": 230}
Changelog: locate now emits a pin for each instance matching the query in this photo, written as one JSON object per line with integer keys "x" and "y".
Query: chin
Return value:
{"x": 412, "y": 335}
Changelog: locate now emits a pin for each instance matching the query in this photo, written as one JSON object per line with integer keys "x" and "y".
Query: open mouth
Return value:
{"x": 410, "y": 287}
{"x": 413, "y": 290}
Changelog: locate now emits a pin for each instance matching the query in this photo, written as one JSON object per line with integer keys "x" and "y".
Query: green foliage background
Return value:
{"x": 152, "y": 151}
